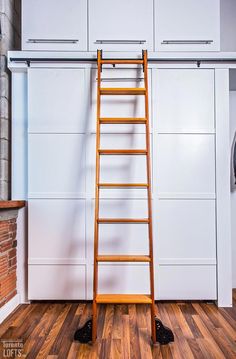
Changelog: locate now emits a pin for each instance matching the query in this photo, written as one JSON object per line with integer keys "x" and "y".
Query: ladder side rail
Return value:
{"x": 97, "y": 194}
{"x": 149, "y": 192}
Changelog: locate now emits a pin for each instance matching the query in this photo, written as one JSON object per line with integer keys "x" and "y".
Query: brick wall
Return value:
{"x": 7, "y": 260}
{"x": 10, "y": 11}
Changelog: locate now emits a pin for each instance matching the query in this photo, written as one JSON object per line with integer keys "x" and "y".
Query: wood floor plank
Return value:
{"x": 116, "y": 348}
{"x": 108, "y": 322}
{"x": 213, "y": 330}
{"x": 144, "y": 343}
{"x": 195, "y": 349}
{"x": 210, "y": 342}
{"x": 188, "y": 311}
{"x": 182, "y": 322}
{"x": 24, "y": 330}
{"x": 117, "y": 323}
{"x": 179, "y": 335}
{"x": 229, "y": 345}
{"x": 126, "y": 336}
{"x": 222, "y": 323}
{"x": 84, "y": 351}
{"x": 18, "y": 315}
{"x": 36, "y": 339}
{"x": 201, "y": 330}
{"x": 49, "y": 340}
{"x": 61, "y": 345}
{"x": 134, "y": 340}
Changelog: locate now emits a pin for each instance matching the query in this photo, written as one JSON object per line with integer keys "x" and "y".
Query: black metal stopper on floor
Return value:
{"x": 84, "y": 334}
{"x": 164, "y": 335}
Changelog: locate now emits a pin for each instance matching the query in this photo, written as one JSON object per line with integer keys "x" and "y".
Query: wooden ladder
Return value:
{"x": 101, "y": 91}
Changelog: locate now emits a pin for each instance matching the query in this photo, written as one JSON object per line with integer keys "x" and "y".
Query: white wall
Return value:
{"x": 227, "y": 25}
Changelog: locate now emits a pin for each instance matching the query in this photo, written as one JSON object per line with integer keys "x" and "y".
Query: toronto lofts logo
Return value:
{"x": 12, "y": 348}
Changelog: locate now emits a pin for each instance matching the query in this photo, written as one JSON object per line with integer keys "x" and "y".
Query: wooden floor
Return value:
{"x": 201, "y": 331}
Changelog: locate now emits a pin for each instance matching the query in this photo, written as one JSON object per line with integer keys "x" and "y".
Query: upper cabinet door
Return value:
{"x": 121, "y": 25}
{"x": 187, "y": 25}
{"x": 54, "y": 25}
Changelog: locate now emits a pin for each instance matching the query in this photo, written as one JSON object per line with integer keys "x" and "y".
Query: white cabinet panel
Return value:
{"x": 119, "y": 169}
{"x": 128, "y": 238}
{"x": 119, "y": 278}
{"x": 125, "y": 279}
{"x": 186, "y": 232}
{"x": 56, "y": 231}
{"x": 56, "y": 166}
{"x": 57, "y": 282}
{"x": 187, "y": 25}
{"x": 57, "y": 100}
{"x": 186, "y": 166}
{"x": 185, "y": 282}
{"x": 54, "y": 25}
{"x": 119, "y": 106}
{"x": 184, "y": 100}
{"x": 123, "y": 239}
{"x": 121, "y": 25}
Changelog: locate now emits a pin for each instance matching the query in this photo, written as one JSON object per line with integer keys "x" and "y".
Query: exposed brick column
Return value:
{"x": 7, "y": 260}
{"x": 10, "y": 15}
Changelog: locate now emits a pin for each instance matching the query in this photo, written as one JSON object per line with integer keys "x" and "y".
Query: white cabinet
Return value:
{"x": 187, "y": 25}
{"x": 54, "y": 25}
{"x": 121, "y": 25}
{"x": 61, "y": 177}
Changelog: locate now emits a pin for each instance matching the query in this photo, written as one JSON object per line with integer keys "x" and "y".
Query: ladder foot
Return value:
{"x": 84, "y": 334}
{"x": 164, "y": 335}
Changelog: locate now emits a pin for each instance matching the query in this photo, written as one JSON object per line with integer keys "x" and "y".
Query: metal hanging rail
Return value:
{"x": 198, "y": 62}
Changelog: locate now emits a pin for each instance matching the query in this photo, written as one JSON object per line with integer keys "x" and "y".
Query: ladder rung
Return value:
{"x": 145, "y": 185}
{"x": 123, "y": 220}
{"x": 122, "y": 61}
{"x": 123, "y": 258}
{"x": 125, "y": 120}
{"x": 122, "y": 91}
{"x": 124, "y": 298}
{"x": 122, "y": 152}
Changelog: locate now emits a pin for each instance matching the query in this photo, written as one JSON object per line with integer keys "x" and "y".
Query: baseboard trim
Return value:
{"x": 8, "y": 308}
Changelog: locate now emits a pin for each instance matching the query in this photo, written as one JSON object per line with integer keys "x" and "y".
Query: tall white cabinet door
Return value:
{"x": 184, "y": 184}
{"x": 187, "y": 25}
{"x": 121, "y": 25}
{"x": 54, "y": 25}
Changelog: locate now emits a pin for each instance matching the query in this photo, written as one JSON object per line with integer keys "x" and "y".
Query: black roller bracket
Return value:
{"x": 84, "y": 334}
{"x": 164, "y": 335}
